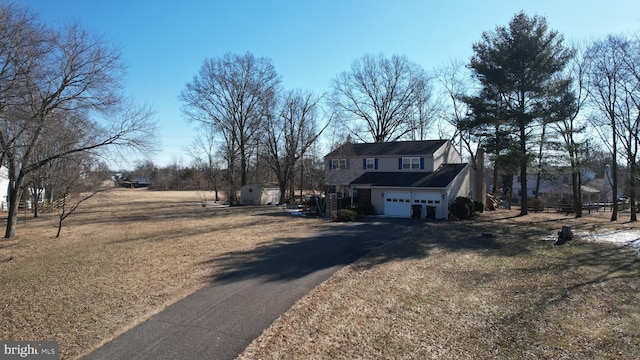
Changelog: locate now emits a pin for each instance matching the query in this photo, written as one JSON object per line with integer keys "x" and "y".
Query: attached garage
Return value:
{"x": 424, "y": 195}
{"x": 430, "y": 204}
{"x": 397, "y": 203}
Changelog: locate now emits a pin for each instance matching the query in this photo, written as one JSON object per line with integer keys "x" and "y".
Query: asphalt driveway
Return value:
{"x": 220, "y": 320}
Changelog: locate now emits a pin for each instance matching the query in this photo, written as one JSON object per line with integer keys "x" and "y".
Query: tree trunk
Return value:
{"x": 283, "y": 190}
{"x": 301, "y": 178}
{"x": 632, "y": 190}
{"x": 539, "y": 165}
{"x": 575, "y": 187}
{"x": 523, "y": 171}
{"x": 15, "y": 194}
{"x": 614, "y": 173}
{"x": 243, "y": 166}
{"x": 495, "y": 180}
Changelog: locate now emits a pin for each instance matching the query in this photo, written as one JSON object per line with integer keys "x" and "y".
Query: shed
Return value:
{"x": 260, "y": 194}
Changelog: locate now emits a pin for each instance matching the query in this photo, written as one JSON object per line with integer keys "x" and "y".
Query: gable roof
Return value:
{"x": 436, "y": 179}
{"x": 402, "y": 148}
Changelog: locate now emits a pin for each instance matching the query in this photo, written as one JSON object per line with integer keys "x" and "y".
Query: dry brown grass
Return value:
{"x": 448, "y": 292}
{"x": 445, "y": 291}
{"x": 120, "y": 259}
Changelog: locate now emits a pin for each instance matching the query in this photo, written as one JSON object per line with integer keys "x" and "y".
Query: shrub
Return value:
{"x": 478, "y": 206}
{"x": 462, "y": 207}
{"x": 346, "y": 215}
{"x": 537, "y": 204}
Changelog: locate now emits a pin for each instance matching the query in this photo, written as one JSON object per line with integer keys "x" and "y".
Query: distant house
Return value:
{"x": 401, "y": 179}
{"x": 555, "y": 186}
{"x": 260, "y": 194}
{"x": 4, "y": 189}
{"x": 141, "y": 183}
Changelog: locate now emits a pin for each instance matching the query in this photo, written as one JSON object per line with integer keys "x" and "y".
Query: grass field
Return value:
{"x": 492, "y": 288}
{"x": 120, "y": 259}
{"x": 445, "y": 291}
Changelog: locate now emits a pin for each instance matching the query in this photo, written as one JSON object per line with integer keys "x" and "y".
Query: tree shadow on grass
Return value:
{"x": 287, "y": 259}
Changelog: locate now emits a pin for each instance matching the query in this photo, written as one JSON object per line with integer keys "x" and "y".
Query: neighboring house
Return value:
{"x": 4, "y": 189}
{"x": 555, "y": 186}
{"x": 260, "y": 194}
{"x": 402, "y": 179}
{"x": 141, "y": 183}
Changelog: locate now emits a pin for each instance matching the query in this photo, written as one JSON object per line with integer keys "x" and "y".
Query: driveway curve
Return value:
{"x": 221, "y": 319}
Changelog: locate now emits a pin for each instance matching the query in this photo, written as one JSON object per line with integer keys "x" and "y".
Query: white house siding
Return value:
{"x": 4, "y": 189}
{"x": 461, "y": 185}
{"x": 343, "y": 176}
{"x": 447, "y": 154}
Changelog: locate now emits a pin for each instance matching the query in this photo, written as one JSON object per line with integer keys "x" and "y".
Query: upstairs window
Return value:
{"x": 411, "y": 163}
{"x": 339, "y": 164}
{"x": 370, "y": 163}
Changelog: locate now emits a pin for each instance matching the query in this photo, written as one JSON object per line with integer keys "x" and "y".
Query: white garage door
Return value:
{"x": 397, "y": 203}
{"x": 428, "y": 200}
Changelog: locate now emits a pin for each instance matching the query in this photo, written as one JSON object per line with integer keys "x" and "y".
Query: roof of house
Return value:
{"x": 424, "y": 147}
{"x": 435, "y": 179}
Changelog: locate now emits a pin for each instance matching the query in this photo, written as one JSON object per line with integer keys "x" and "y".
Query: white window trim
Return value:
{"x": 338, "y": 164}
{"x": 411, "y": 163}
{"x": 371, "y": 163}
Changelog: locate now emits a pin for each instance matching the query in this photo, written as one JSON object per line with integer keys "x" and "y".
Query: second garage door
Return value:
{"x": 430, "y": 204}
{"x": 397, "y": 203}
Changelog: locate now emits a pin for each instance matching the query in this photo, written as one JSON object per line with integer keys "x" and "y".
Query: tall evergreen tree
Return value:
{"x": 518, "y": 68}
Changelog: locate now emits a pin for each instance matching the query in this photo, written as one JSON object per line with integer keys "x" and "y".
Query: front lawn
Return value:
{"x": 492, "y": 288}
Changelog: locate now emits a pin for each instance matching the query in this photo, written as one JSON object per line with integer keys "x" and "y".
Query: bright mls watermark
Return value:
{"x": 36, "y": 350}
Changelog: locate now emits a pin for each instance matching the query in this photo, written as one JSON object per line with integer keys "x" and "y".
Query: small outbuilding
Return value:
{"x": 260, "y": 194}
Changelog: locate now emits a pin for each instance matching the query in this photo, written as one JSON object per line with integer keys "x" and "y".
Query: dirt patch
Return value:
{"x": 488, "y": 288}
{"x": 122, "y": 258}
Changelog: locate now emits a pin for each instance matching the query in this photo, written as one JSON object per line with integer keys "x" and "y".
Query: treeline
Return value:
{"x": 308, "y": 175}
{"x": 61, "y": 109}
{"x": 526, "y": 97}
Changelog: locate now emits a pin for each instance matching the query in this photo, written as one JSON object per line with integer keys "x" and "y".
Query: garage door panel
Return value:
{"x": 428, "y": 200}
{"x": 397, "y": 203}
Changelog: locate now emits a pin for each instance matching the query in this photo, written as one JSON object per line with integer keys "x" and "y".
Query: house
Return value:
{"x": 555, "y": 186}
{"x": 260, "y": 194}
{"x": 142, "y": 183}
{"x": 4, "y": 189}
{"x": 401, "y": 179}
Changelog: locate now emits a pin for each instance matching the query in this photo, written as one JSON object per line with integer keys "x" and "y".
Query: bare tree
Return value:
{"x": 571, "y": 127}
{"x": 23, "y": 44}
{"x": 289, "y": 133}
{"x": 70, "y": 88}
{"x": 629, "y": 118}
{"x": 428, "y": 108}
{"x": 377, "y": 99}
{"x": 75, "y": 179}
{"x": 607, "y": 75}
{"x": 453, "y": 78}
{"x": 229, "y": 94}
{"x": 204, "y": 152}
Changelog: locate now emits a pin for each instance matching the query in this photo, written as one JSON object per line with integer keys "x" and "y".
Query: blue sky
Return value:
{"x": 165, "y": 42}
